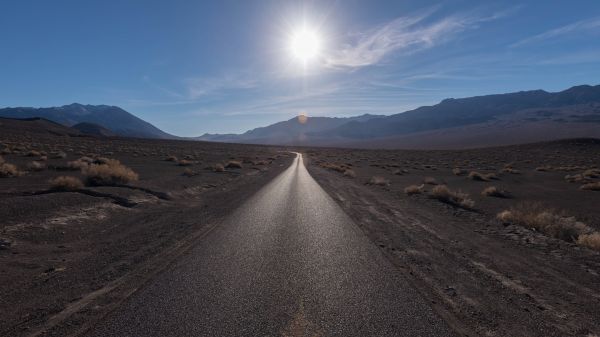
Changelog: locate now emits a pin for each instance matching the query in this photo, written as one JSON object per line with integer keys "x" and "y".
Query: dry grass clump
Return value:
{"x": 595, "y": 186}
{"x": 111, "y": 173}
{"x": 591, "y": 241}
{"x": 591, "y": 173}
{"x": 36, "y": 166}
{"x": 33, "y": 153}
{"x": 430, "y": 181}
{"x": 58, "y": 155}
{"x": 545, "y": 220}
{"x": 473, "y": 175}
{"x": 399, "y": 172}
{"x": 102, "y": 160}
{"x": 545, "y": 168}
{"x": 334, "y": 167}
{"x": 458, "y": 171}
{"x": 379, "y": 181}
{"x": 171, "y": 158}
{"x": 234, "y": 164}
{"x": 575, "y": 178}
{"x": 456, "y": 198}
{"x": 189, "y": 172}
{"x": 349, "y": 173}
{"x": 493, "y": 191}
{"x": 184, "y": 162}
{"x": 219, "y": 168}
{"x": 77, "y": 164}
{"x": 66, "y": 183}
{"x": 9, "y": 170}
{"x": 414, "y": 189}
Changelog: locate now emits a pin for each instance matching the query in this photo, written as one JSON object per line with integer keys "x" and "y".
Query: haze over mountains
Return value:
{"x": 502, "y": 119}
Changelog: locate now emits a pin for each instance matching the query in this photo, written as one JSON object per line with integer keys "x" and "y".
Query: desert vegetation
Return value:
{"x": 66, "y": 183}
{"x": 546, "y": 220}
{"x": 110, "y": 173}
{"x": 456, "y": 198}
{"x": 493, "y": 191}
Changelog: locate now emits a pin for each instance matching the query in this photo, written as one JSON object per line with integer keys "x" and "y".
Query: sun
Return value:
{"x": 305, "y": 44}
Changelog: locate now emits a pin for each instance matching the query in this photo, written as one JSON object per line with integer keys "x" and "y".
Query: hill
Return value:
{"x": 113, "y": 118}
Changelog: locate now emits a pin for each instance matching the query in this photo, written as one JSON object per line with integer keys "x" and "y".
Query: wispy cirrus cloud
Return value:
{"x": 406, "y": 34}
{"x": 199, "y": 87}
{"x": 592, "y": 24}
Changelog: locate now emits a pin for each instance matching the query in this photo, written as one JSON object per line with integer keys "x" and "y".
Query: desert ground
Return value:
{"x": 502, "y": 241}
{"x": 499, "y": 241}
{"x": 64, "y": 246}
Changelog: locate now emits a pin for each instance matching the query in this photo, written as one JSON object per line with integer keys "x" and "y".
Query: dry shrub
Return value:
{"x": 591, "y": 173}
{"x": 414, "y": 189}
{"x": 86, "y": 159}
{"x": 33, "y": 153}
{"x": 591, "y": 240}
{"x": 510, "y": 170}
{"x": 456, "y": 198}
{"x": 36, "y": 166}
{"x": 102, "y": 160}
{"x": 595, "y": 186}
{"x": 575, "y": 178}
{"x": 66, "y": 183}
{"x": 9, "y": 170}
{"x": 545, "y": 220}
{"x": 349, "y": 173}
{"x": 400, "y": 172}
{"x": 171, "y": 158}
{"x": 58, "y": 155}
{"x": 234, "y": 164}
{"x": 458, "y": 171}
{"x": 184, "y": 162}
{"x": 189, "y": 172}
{"x": 378, "y": 180}
{"x": 219, "y": 168}
{"x": 261, "y": 162}
{"x": 543, "y": 168}
{"x": 334, "y": 167}
{"x": 111, "y": 173}
{"x": 473, "y": 175}
{"x": 493, "y": 191}
{"x": 430, "y": 181}
{"x": 77, "y": 164}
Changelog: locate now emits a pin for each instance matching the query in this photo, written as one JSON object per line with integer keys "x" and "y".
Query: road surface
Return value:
{"x": 289, "y": 262}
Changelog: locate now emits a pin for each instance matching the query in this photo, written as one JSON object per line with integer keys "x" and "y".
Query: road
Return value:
{"x": 289, "y": 262}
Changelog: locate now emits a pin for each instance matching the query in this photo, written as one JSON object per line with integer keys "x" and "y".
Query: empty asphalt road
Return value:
{"x": 289, "y": 262}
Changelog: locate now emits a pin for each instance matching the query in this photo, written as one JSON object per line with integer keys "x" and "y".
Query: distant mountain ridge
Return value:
{"x": 113, "y": 118}
{"x": 294, "y": 131}
{"x": 499, "y": 119}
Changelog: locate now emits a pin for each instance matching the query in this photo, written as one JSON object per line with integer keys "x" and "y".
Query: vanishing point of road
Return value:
{"x": 289, "y": 262}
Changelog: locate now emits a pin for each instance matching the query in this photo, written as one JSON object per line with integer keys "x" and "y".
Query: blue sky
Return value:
{"x": 191, "y": 67}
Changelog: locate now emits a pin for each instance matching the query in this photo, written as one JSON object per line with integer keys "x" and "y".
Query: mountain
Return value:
{"x": 113, "y": 118}
{"x": 36, "y": 125}
{"x": 492, "y": 120}
{"x": 294, "y": 131}
{"x": 94, "y": 129}
{"x": 452, "y": 113}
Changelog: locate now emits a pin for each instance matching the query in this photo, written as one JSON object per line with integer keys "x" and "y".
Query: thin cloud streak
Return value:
{"x": 579, "y": 26}
{"x": 406, "y": 34}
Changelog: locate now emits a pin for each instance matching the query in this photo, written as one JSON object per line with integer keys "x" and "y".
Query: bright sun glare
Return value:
{"x": 305, "y": 44}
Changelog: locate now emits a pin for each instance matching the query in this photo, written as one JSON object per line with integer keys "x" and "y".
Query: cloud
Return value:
{"x": 579, "y": 26}
{"x": 406, "y": 34}
{"x": 199, "y": 87}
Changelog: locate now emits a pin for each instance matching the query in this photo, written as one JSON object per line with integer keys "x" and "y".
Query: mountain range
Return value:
{"x": 111, "y": 118}
{"x": 491, "y": 120}
{"x": 501, "y": 119}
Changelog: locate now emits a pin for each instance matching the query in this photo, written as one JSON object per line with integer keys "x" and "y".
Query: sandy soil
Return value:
{"x": 68, "y": 258}
{"x": 485, "y": 277}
